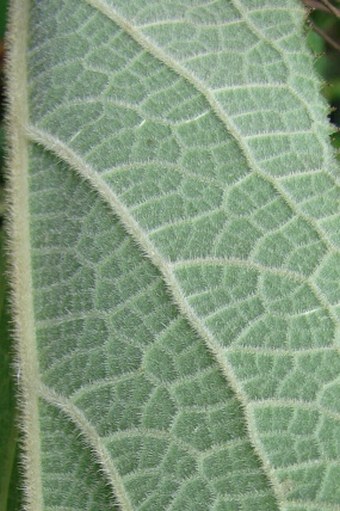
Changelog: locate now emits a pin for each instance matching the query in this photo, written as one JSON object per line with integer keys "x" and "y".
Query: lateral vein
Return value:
{"x": 181, "y": 71}
{"x": 93, "y": 440}
{"x": 62, "y": 151}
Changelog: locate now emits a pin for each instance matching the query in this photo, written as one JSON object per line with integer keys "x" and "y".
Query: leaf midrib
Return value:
{"x": 20, "y": 256}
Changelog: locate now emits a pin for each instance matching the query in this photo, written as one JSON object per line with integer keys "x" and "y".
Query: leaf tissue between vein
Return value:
{"x": 181, "y": 250}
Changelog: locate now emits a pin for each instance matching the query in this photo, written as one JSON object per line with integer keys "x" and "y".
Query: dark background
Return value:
{"x": 323, "y": 34}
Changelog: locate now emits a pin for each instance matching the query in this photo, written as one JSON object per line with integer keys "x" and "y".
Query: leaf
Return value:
{"x": 176, "y": 230}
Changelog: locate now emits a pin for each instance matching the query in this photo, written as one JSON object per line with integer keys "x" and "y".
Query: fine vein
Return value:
{"x": 180, "y": 70}
{"x": 63, "y": 152}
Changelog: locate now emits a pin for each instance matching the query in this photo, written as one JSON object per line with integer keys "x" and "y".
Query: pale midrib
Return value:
{"x": 181, "y": 71}
{"x": 93, "y": 440}
{"x": 66, "y": 154}
{"x": 20, "y": 250}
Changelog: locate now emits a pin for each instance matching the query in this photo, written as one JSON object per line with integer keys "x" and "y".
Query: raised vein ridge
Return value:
{"x": 275, "y": 335}
{"x": 19, "y": 252}
{"x": 67, "y": 155}
{"x": 93, "y": 440}
{"x": 165, "y": 58}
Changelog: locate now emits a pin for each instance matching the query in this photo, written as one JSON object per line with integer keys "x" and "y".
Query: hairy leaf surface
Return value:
{"x": 179, "y": 313}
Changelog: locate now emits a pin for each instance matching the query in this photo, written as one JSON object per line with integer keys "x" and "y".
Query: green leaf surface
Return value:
{"x": 176, "y": 220}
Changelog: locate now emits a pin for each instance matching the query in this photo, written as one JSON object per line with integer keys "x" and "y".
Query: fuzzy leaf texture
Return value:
{"x": 176, "y": 276}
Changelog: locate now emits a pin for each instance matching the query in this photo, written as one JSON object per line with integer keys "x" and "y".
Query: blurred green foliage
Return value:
{"x": 325, "y": 44}
{"x": 9, "y": 482}
{"x": 3, "y": 12}
{"x": 323, "y": 38}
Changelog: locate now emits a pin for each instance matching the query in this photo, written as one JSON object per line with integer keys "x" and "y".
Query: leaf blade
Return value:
{"x": 176, "y": 219}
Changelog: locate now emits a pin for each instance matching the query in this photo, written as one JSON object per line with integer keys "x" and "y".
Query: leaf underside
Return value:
{"x": 184, "y": 231}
